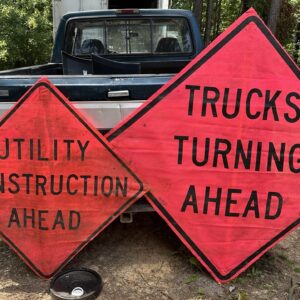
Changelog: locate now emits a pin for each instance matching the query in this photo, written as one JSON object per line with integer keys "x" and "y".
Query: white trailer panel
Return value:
{"x": 61, "y": 7}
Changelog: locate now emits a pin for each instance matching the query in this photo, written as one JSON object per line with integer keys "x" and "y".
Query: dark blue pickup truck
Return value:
{"x": 108, "y": 62}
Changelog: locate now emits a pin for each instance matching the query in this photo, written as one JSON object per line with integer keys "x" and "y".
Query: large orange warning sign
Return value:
{"x": 219, "y": 147}
{"x": 60, "y": 182}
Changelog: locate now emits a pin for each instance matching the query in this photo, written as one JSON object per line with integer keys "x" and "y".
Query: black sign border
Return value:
{"x": 266, "y": 32}
{"x": 99, "y": 139}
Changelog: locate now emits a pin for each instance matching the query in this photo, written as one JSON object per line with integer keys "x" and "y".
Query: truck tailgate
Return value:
{"x": 86, "y": 88}
{"x": 90, "y": 94}
{"x": 103, "y": 115}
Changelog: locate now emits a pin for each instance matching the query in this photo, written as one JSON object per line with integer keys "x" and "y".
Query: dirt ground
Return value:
{"x": 145, "y": 260}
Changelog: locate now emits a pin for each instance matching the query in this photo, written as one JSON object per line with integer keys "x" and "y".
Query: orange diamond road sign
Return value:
{"x": 60, "y": 182}
{"x": 219, "y": 147}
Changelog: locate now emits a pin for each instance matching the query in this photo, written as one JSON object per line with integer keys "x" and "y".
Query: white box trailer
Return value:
{"x": 61, "y": 7}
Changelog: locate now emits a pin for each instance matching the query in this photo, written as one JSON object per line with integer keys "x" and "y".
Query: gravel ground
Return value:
{"x": 145, "y": 260}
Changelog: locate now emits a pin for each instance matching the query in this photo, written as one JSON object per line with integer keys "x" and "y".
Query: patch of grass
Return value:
{"x": 193, "y": 261}
{"x": 297, "y": 269}
{"x": 255, "y": 271}
{"x": 282, "y": 256}
{"x": 268, "y": 286}
{"x": 239, "y": 280}
{"x": 201, "y": 292}
{"x": 191, "y": 278}
{"x": 242, "y": 295}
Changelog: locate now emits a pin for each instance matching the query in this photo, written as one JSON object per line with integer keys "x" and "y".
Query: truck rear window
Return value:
{"x": 128, "y": 36}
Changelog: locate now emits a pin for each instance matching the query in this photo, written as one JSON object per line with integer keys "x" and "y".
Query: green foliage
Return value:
{"x": 26, "y": 26}
{"x": 183, "y": 4}
{"x": 287, "y": 19}
{"x": 232, "y": 9}
{"x": 262, "y": 7}
{"x": 287, "y": 23}
{"x": 25, "y": 32}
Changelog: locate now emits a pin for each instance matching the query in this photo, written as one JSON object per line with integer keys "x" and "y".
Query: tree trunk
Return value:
{"x": 208, "y": 22}
{"x": 218, "y": 18}
{"x": 274, "y": 15}
{"x": 245, "y": 5}
{"x": 297, "y": 43}
{"x": 198, "y": 10}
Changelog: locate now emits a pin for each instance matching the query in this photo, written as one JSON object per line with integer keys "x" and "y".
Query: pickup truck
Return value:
{"x": 108, "y": 62}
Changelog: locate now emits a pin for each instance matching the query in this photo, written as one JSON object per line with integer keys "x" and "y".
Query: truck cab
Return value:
{"x": 109, "y": 62}
{"x": 160, "y": 41}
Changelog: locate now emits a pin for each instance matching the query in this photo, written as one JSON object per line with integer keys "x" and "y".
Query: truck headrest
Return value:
{"x": 92, "y": 46}
{"x": 168, "y": 44}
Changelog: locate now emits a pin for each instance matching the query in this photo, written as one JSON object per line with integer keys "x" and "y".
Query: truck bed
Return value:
{"x": 104, "y": 99}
